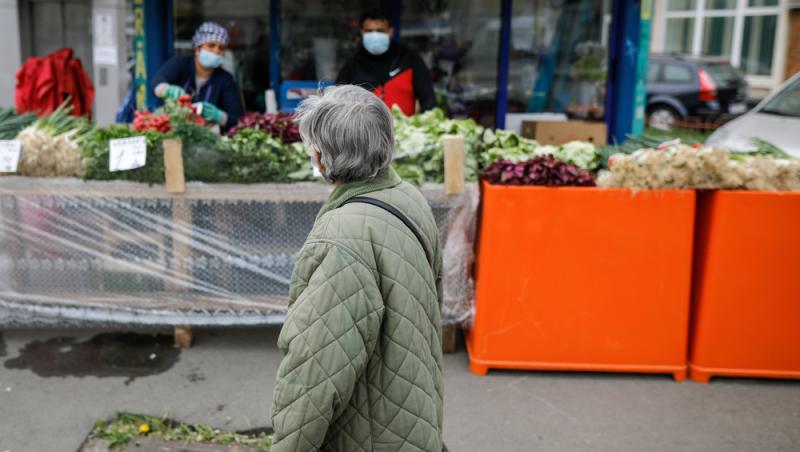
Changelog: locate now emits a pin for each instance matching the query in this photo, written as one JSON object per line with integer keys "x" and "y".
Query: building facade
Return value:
{"x": 759, "y": 37}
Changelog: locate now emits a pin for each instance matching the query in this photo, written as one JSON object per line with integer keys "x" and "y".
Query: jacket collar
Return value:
{"x": 387, "y": 178}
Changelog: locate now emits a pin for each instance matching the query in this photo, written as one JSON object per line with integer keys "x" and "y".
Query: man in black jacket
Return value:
{"x": 392, "y": 71}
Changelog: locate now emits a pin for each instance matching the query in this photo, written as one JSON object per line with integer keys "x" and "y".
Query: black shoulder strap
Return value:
{"x": 393, "y": 210}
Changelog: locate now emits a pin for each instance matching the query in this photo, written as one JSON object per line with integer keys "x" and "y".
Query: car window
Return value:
{"x": 785, "y": 103}
{"x": 653, "y": 71}
{"x": 674, "y": 73}
{"x": 721, "y": 72}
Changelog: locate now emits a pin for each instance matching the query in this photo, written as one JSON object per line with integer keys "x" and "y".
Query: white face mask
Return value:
{"x": 314, "y": 168}
{"x": 376, "y": 42}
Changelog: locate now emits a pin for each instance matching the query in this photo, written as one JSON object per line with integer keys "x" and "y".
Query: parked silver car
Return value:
{"x": 775, "y": 120}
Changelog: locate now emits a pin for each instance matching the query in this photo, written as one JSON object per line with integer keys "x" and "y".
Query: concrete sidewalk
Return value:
{"x": 49, "y": 402}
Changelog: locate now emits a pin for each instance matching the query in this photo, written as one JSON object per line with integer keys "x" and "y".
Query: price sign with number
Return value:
{"x": 127, "y": 153}
{"x": 9, "y": 155}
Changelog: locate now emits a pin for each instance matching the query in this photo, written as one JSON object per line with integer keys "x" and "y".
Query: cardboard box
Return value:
{"x": 560, "y": 132}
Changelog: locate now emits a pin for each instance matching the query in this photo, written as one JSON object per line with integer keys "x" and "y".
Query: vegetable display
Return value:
{"x": 505, "y": 145}
{"x": 257, "y": 156}
{"x": 50, "y": 145}
{"x": 419, "y": 152}
{"x": 680, "y": 166}
{"x": 95, "y": 151}
{"x": 540, "y": 170}
{"x": 11, "y": 123}
{"x": 582, "y": 154}
{"x": 266, "y": 148}
{"x": 279, "y": 125}
{"x": 205, "y": 155}
{"x": 145, "y": 120}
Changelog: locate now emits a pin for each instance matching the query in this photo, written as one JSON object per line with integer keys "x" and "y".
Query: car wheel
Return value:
{"x": 662, "y": 117}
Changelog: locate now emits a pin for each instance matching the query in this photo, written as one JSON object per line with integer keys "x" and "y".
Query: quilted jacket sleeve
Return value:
{"x": 330, "y": 331}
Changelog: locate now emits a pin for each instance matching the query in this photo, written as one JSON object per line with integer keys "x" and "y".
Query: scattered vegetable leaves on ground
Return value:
{"x": 126, "y": 427}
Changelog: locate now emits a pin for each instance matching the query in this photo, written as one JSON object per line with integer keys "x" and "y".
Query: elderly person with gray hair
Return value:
{"x": 362, "y": 369}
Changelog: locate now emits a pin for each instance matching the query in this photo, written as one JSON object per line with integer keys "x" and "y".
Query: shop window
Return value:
{"x": 563, "y": 66}
{"x": 317, "y": 38}
{"x": 717, "y": 36}
{"x": 674, "y": 73}
{"x": 681, "y": 5}
{"x": 758, "y": 44}
{"x": 720, "y": 4}
{"x": 761, "y": 3}
{"x": 557, "y": 56}
{"x": 247, "y": 23}
{"x": 679, "y": 35}
{"x": 459, "y": 43}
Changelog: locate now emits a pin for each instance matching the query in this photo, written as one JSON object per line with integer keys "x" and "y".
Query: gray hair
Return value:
{"x": 352, "y": 130}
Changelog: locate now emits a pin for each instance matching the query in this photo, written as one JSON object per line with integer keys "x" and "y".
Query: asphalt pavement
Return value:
{"x": 55, "y": 384}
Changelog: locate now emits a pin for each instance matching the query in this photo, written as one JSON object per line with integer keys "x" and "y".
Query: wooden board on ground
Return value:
{"x": 183, "y": 336}
{"x": 449, "y": 338}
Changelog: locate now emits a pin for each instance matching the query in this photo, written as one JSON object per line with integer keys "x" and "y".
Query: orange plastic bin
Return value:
{"x": 746, "y": 303}
{"x": 583, "y": 279}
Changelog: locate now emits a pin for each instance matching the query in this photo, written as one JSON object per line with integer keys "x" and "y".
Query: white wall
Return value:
{"x": 110, "y": 80}
{"x": 658, "y": 26}
{"x": 11, "y": 54}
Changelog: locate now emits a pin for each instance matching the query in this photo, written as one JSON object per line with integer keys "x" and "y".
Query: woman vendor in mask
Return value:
{"x": 202, "y": 77}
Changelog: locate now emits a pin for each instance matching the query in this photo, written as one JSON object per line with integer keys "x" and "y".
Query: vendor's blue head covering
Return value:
{"x": 210, "y": 31}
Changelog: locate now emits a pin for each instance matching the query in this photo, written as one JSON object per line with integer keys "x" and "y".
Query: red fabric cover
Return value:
{"x": 44, "y": 83}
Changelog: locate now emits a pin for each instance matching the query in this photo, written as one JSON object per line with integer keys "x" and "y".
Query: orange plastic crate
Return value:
{"x": 746, "y": 303}
{"x": 583, "y": 279}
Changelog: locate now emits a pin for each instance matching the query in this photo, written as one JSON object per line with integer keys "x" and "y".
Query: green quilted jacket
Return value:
{"x": 362, "y": 339}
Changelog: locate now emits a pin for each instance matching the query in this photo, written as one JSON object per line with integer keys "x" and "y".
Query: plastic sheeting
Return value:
{"x": 220, "y": 254}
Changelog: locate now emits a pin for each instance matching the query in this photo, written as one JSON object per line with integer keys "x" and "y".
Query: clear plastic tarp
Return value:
{"x": 117, "y": 252}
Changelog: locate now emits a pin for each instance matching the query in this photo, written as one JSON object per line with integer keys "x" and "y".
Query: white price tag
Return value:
{"x": 127, "y": 153}
{"x": 9, "y": 155}
{"x": 104, "y": 55}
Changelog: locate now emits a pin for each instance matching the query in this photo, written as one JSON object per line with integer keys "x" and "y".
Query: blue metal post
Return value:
{"x": 275, "y": 46}
{"x": 394, "y": 9}
{"x": 140, "y": 54}
{"x": 622, "y": 62}
{"x": 169, "y": 41}
{"x": 640, "y": 104}
{"x": 158, "y": 40}
{"x": 502, "y": 64}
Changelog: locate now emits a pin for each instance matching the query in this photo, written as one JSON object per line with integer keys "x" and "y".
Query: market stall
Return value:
{"x": 576, "y": 277}
{"x": 587, "y": 258}
{"x": 124, "y": 246}
{"x": 94, "y": 229}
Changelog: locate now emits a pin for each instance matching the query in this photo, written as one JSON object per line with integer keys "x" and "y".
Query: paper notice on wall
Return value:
{"x": 104, "y": 55}
{"x": 9, "y": 155}
{"x": 127, "y": 153}
{"x": 103, "y": 30}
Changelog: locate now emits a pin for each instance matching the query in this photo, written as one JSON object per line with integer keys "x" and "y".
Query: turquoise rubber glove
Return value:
{"x": 212, "y": 113}
{"x": 174, "y": 92}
